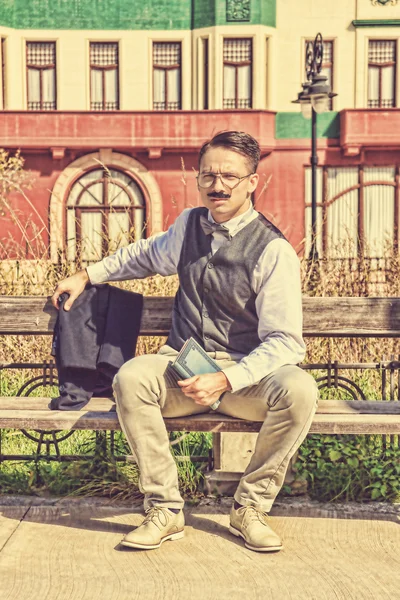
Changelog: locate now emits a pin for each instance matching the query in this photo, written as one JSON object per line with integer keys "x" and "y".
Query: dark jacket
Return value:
{"x": 92, "y": 341}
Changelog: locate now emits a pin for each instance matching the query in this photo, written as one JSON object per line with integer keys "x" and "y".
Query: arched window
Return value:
{"x": 105, "y": 210}
{"x": 357, "y": 211}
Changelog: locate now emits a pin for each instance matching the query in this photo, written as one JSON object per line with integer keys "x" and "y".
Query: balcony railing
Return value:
{"x": 140, "y": 130}
{"x": 369, "y": 128}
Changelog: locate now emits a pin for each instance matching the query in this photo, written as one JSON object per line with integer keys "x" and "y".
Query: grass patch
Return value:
{"x": 101, "y": 475}
{"x": 98, "y": 476}
{"x": 344, "y": 468}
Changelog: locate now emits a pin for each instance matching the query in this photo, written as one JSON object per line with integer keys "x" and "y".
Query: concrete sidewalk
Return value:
{"x": 68, "y": 549}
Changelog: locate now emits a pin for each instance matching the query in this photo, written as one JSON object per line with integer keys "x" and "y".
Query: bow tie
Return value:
{"x": 209, "y": 227}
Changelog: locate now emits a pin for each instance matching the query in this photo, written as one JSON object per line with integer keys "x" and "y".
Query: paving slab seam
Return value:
{"x": 14, "y": 530}
{"x": 281, "y": 505}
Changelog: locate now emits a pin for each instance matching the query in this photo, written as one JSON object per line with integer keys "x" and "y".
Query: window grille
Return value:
{"x": 104, "y": 76}
{"x": 356, "y": 211}
{"x": 41, "y": 54}
{"x": 105, "y": 210}
{"x": 104, "y": 54}
{"x": 237, "y": 73}
{"x": 167, "y": 76}
{"x": 166, "y": 54}
{"x": 381, "y": 73}
{"x": 382, "y": 51}
{"x": 41, "y": 72}
{"x": 237, "y": 51}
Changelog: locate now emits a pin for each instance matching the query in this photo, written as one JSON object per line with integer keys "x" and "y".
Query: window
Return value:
{"x": 167, "y": 76}
{"x": 327, "y": 65}
{"x": 356, "y": 211}
{"x": 3, "y": 74}
{"x": 205, "y": 73}
{"x": 104, "y": 93}
{"x": 105, "y": 210}
{"x": 237, "y": 73}
{"x": 41, "y": 66}
{"x": 381, "y": 73}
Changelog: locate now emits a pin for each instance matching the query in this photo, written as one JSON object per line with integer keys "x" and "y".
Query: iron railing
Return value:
{"x": 335, "y": 376}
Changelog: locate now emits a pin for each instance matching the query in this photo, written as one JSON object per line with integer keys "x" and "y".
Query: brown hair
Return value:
{"x": 237, "y": 141}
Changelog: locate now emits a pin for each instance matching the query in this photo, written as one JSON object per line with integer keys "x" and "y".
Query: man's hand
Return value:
{"x": 73, "y": 285}
{"x": 205, "y": 389}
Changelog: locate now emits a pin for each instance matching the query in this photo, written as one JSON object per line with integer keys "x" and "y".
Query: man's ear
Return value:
{"x": 253, "y": 182}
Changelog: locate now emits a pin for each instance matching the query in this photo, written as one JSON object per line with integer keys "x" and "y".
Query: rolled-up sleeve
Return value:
{"x": 158, "y": 254}
{"x": 277, "y": 283}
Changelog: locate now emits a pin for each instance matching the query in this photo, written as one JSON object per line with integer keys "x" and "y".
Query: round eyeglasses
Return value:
{"x": 207, "y": 180}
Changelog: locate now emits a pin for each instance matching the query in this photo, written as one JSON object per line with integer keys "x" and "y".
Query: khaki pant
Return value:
{"x": 146, "y": 393}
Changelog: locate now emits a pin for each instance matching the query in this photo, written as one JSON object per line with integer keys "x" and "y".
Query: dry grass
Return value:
{"x": 30, "y": 349}
{"x": 356, "y": 277}
{"x": 39, "y": 276}
{"x": 336, "y": 278}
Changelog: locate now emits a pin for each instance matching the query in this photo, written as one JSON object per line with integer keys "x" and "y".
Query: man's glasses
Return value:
{"x": 207, "y": 180}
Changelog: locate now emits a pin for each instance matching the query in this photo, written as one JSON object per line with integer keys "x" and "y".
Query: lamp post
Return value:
{"x": 313, "y": 100}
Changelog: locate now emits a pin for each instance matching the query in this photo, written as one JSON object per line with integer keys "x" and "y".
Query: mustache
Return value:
{"x": 220, "y": 195}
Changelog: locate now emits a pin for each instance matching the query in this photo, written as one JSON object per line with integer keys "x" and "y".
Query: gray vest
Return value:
{"x": 215, "y": 302}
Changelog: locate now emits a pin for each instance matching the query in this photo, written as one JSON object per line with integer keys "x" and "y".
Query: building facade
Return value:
{"x": 110, "y": 101}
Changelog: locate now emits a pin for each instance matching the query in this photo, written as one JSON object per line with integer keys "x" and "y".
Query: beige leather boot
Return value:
{"x": 159, "y": 525}
{"x": 250, "y": 523}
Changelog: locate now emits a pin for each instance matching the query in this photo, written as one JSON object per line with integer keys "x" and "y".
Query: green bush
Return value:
{"x": 347, "y": 467}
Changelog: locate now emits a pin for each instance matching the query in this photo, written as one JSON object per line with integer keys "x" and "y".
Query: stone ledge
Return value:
{"x": 282, "y": 506}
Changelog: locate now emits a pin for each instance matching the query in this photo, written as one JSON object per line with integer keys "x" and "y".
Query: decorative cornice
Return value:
{"x": 376, "y": 23}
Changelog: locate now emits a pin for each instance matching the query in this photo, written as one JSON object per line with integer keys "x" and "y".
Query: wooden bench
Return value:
{"x": 323, "y": 317}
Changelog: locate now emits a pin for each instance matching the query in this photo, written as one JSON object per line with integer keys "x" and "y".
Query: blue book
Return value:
{"x": 194, "y": 360}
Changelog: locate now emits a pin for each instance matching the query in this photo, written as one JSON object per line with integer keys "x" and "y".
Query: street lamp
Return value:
{"x": 313, "y": 100}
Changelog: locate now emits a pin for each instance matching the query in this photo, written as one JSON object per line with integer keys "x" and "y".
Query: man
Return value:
{"x": 240, "y": 298}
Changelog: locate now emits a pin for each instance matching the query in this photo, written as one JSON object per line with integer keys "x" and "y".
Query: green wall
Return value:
{"x": 215, "y": 12}
{"x": 294, "y": 125}
{"x": 134, "y": 14}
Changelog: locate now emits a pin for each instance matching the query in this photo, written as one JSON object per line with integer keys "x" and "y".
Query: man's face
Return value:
{"x": 225, "y": 203}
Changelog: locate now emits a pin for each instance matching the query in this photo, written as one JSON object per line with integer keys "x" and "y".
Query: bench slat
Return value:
{"x": 333, "y": 416}
{"x": 323, "y": 317}
{"x": 36, "y": 315}
{"x": 351, "y": 317}
{"x": 336, "y": 407}
{"x": 322, "y": 423}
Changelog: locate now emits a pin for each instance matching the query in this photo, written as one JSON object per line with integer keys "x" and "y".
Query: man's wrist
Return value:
{"x": 215, "y": 404}
{"x": 225, "y": 386}
{"x": 97, "y": 273}
{"x": 224, "y": 382}
{"x": 238, "y": 377}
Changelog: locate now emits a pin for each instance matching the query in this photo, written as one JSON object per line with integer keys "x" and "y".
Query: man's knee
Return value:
{"x": 134, "y": 370}
{"x": 137, "y": 378}
{"x": 292, "y": 388}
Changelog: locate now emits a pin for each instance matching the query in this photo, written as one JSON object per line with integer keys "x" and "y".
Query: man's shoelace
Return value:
{"x": 253, "y": 513}
{"x": 157, "y": 515}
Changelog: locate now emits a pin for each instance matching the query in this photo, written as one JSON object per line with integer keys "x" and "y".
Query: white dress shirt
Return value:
{"x": 275, "y": 281}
